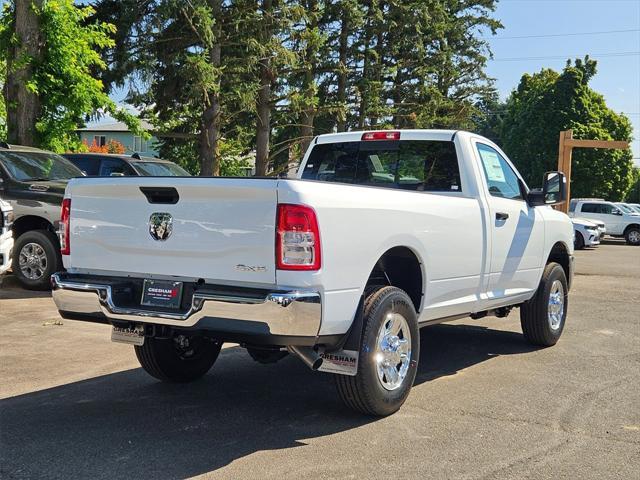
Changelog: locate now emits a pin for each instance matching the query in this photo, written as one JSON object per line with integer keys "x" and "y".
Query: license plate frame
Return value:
{"x": 161, "y": 293}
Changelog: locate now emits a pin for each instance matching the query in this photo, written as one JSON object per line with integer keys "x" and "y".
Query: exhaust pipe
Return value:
{"x": 308, "y": 355}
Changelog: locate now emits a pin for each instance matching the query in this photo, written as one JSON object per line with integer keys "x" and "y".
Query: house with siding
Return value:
{"x": 101, "y": 134}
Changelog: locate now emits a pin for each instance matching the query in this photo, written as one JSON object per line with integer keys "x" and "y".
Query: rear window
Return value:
{"x": 160, "y": 169}
{"x": 429, "y": 166}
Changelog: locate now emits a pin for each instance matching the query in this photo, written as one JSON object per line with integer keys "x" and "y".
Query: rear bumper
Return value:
{"x": 291, "y": 317}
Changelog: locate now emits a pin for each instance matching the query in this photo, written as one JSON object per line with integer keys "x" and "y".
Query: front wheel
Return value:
{"x": 182, "y": 358}
{"x": 389, "y": 354}
{"x": 36, "y": 257}
{"x": 543, "y": 317}
{"x": 632, "y": 236}
{"x": 578, "y": 243}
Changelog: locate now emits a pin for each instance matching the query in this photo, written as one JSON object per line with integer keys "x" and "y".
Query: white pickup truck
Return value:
{"x": 381, "y": 233}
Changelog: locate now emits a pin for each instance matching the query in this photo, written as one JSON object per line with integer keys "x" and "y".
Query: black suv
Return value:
{"x": 33, "y": 182}
{"x": 106, "y": 165}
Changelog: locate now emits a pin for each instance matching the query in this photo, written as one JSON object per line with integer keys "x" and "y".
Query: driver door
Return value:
{"x": 516, "y": 230}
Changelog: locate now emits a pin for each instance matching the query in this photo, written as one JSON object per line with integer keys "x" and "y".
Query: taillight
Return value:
{"x": 297, "y": 238}
{"x": 65, "y": 220}
{"x": 380, "y": 135}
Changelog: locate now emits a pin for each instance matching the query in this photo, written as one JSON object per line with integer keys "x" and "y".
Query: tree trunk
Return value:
{"x": 263, "y": 104}
{"x": 308, "y": 115}
{"x": 264, "y": 119}
{"x": 342, "y": 73}
{"x": 366, "y": 66}
{"x": 23, "y": 106}
{"x": 210, "y": 131}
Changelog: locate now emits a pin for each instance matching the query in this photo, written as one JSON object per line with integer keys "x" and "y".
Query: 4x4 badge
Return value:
{"x": 160, "y": 225}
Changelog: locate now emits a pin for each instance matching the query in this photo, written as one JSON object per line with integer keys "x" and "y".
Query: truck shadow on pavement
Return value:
{"x": 126, "y": 425}
{"x": 10, "y": 289}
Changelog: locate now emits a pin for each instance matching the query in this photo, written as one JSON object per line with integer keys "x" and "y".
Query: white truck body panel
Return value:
{"x": 469, "y": 261}
{"x": 217, "y": 225}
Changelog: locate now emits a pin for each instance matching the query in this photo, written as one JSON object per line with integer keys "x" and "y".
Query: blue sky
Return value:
{"x": 618, "y": 77}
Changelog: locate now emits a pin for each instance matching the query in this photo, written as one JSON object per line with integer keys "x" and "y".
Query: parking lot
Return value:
{"x": 485, "y": 404}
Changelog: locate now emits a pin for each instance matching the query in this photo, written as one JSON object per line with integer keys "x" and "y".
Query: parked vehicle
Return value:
{"x": 381, "y": 233}
{"x": 105, "y": 165}
{"x": 628, "y": 209}
{"x": 635, "y": 206}
{"x": 6, "y": 236}
{"x": 619, "y": 223}
{"x": 586, "y": 233}
{"x": 33, "y": 182}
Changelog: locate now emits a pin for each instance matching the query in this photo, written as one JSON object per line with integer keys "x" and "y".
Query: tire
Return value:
{"x": 578, "y": 243}
{"x": 36, "y": 257}
{"x": 366, "y": 391}
{"x": 632, "y": 236}
{"x": 169, "y": 361}
{"x": 542, "y": 325}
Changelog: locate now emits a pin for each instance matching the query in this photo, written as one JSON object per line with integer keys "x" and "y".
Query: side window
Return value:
{"x": 87, "y": 165}
{"x": 114, "y": 166}
{"x": 590, "y": 208}
{"x": 606, "y": 208}
{"x": 501, "y": 179}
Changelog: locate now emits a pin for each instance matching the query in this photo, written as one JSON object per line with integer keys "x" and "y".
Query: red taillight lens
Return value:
{"x": 65, "y": 220}
{"x": 380, "y": 135}
{"x": 297, "y": 238}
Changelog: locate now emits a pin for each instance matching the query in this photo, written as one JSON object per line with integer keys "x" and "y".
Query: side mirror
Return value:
{"x": 553, "y": 191}
{"x": 617, "y": 212}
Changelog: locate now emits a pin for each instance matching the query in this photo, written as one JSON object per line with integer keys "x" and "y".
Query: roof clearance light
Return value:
{"x": 380, "y": 135}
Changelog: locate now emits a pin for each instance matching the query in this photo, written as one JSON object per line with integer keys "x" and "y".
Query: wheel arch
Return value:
{"x": 400, "y": 266}
{"x": 560, "y": 254}
{"x": 630, "y": 226}
{"x": 27, "y": 223}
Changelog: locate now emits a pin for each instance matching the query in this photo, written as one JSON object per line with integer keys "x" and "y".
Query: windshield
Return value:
{"x": 160, "y": 169}
{"x": 38, "y": 166}
{"x": 624, "y": 208}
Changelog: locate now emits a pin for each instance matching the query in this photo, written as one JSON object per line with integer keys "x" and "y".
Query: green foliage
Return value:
{"x": 63, "y": 77}
{"x": 548, "y": 102}
{"x": 331, "y": 66}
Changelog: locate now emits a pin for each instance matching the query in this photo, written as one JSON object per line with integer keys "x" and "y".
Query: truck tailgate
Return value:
{"x": 223, "y": 229}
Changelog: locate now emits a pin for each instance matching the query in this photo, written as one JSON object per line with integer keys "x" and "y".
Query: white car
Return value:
{"x": 587, "y": 233}
{"x": 619, "y": 223}
{"x": 381, "y": 233}
{"x": 6, "y": 236}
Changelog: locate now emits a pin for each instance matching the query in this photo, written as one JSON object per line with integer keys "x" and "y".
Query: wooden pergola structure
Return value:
{"x": 567, "y": 144}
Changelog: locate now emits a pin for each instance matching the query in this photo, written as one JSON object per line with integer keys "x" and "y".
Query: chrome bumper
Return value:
{"x": 289, "y": 313}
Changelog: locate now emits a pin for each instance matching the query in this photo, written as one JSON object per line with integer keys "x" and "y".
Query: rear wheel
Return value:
{"x": 632, "y": 236}
{"x": 36, "y": 257}
{"x": 388, "y": 356}
{"x": 543, "y": 317}
{"x": 182, "y": 358}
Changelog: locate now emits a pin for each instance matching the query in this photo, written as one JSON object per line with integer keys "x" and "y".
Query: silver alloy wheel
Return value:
{"x": 634, "y": 236}
{"x": 556, "y": 305}
{"x": 32, "y": 261}
{"x": 393, "y": 351}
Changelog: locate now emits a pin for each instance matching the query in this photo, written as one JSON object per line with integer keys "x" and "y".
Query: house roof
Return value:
{"x": 114, "y": 127}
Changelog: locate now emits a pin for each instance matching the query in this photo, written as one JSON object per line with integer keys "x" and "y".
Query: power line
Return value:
{"x": 550, "y": 35}
{"x": 564, "y": 57}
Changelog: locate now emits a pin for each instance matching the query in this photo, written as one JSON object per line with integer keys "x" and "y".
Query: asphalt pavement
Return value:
{"x": 485, "y": 404}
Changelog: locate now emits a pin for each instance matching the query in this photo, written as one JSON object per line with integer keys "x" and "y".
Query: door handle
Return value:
{"x": 501, "y": 216}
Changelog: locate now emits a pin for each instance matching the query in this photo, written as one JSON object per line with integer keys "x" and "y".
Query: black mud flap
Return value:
{"x": 344, "y": 359}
